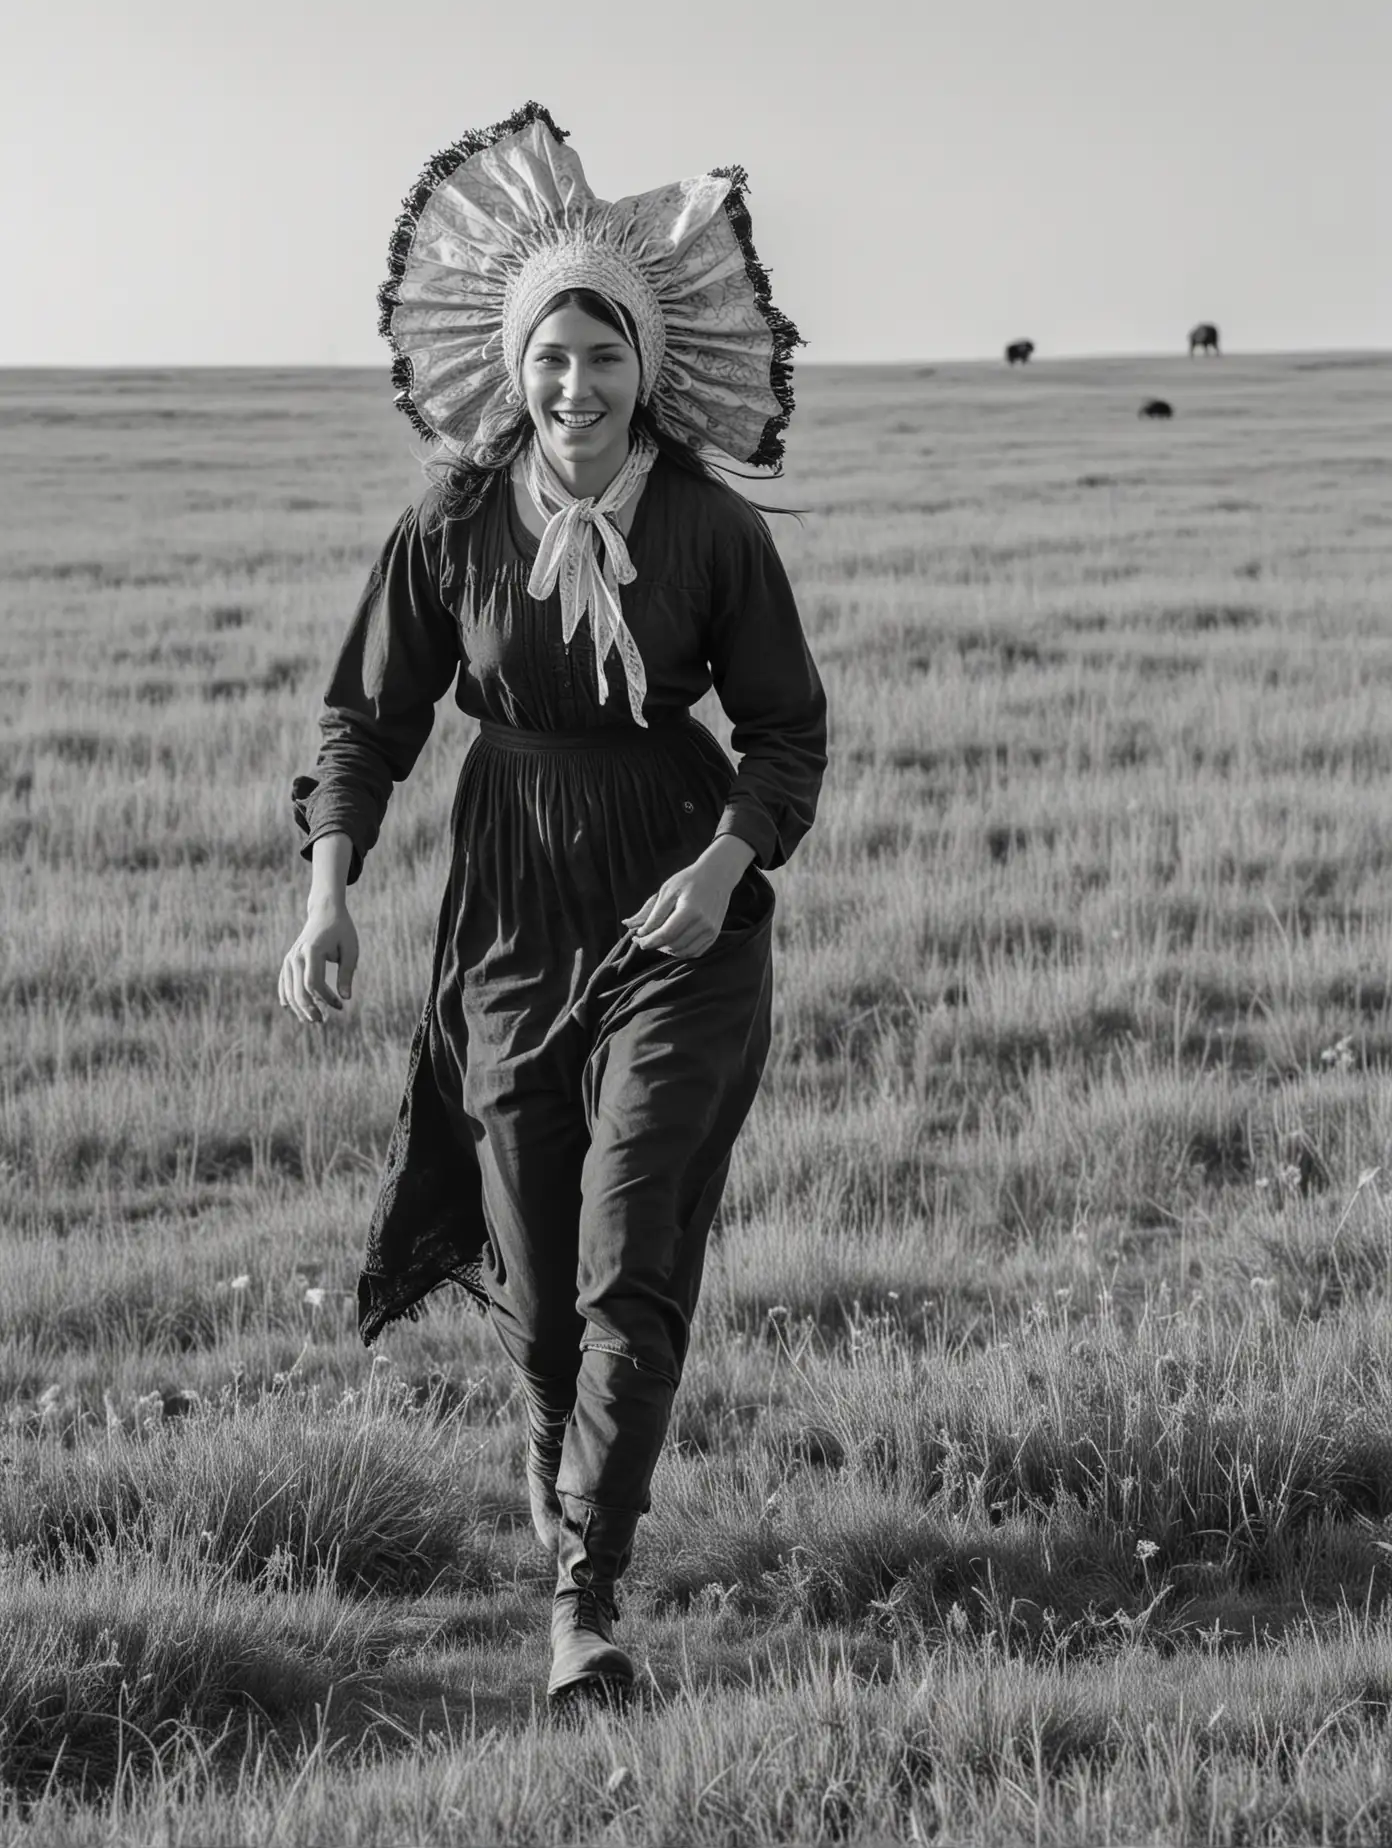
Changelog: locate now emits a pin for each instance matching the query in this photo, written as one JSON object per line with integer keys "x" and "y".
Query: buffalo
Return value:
{"x": 1156, "y": 407}
{"x": 1018, "y": 352}
{"x": 1204, "y": 336}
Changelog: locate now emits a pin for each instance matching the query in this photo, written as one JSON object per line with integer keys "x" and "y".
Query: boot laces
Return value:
{"x": 593, "y": 1611}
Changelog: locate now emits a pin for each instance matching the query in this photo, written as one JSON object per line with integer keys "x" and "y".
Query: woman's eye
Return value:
{"x": 546, "y": 361}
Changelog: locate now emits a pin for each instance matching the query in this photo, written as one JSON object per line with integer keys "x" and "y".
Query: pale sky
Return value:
{"x": 190, "y": 183}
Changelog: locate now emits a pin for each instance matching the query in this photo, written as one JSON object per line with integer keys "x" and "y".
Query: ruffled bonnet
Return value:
{"x": 504, "y": 220}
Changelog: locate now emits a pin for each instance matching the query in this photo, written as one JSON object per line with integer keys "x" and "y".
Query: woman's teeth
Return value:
{"x": 577, "y": 420}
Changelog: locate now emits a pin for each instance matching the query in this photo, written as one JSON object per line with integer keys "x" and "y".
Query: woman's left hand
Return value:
{"x": 683, "y": 917}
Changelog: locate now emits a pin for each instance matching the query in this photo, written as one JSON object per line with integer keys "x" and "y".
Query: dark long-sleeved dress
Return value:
{"x": 552, "y": 1050}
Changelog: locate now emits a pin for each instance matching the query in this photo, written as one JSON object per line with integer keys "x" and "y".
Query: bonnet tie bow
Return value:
{"x": 566, "y": 557}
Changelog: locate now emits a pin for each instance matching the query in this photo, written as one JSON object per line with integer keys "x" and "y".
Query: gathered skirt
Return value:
{"x": 546, "y": 1027}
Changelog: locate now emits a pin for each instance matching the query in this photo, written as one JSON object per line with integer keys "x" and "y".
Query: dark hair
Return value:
{"x": 597, "y": 306}
{"x": 463, "y": 485}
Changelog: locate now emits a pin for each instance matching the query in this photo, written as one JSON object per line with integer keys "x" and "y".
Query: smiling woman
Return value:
{"x": 599, "y": 1010}
{"x": 580, "y": 379}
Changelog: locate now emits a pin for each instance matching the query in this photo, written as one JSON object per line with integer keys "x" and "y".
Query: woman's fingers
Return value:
{"x": 308, "y": 993}
{"x": 681, "y": 934}
{"x": 304, "y": 986}
{"x": 300, "y": 1000}
{"x": 287, "y": 983}
{"x": 317, "y": 980}
{"x": 642, "y": 917}
{"x": 664, "y": 926}
{"x": 660, "y": 917}
{"x": 685, "y": 946}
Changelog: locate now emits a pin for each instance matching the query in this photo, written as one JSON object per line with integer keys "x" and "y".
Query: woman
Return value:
{"x": 599, "y": 1005}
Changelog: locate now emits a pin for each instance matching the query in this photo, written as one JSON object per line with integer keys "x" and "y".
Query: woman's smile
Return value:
{"x": 571, "y": 426}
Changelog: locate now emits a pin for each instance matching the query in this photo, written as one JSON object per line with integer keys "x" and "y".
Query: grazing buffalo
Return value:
{"x": 1156, "y": 407}
{"x": 1019, "y": 351}
{"x": 1205, "y": 335}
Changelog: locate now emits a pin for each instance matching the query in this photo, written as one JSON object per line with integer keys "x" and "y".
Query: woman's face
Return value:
{"x": 580, "y": 380}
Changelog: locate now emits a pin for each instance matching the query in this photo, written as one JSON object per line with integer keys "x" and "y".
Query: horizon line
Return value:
{"x": 900, "y": 364}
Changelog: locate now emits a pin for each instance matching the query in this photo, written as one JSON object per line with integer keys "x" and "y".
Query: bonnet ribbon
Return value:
{"x": 566, "y": 556}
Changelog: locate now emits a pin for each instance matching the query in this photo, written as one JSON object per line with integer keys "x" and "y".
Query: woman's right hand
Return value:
{"x": 329, "y": 936}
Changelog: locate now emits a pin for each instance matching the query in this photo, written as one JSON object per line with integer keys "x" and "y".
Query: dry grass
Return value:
{"x": 1030, "y": 1480}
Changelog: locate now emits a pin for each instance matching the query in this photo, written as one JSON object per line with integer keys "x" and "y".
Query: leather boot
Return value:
{"x": 593, "y": 1549}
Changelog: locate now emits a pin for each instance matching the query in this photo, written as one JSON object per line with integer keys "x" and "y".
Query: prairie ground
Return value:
{"x": 1031, "y": 1480}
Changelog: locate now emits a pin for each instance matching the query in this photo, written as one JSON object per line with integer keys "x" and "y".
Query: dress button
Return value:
{"x": 690, "y": 807}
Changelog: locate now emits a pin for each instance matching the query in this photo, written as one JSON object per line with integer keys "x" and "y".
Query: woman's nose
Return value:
{"x": 577, "y": 380}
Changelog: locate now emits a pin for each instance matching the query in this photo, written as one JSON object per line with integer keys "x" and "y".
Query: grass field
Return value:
{"x": 1031, "y": 1481}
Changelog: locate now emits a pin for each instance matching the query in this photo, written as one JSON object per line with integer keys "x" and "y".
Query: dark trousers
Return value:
{"x": 602, "y": 1172}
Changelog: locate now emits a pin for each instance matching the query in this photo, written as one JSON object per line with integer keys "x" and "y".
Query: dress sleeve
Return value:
{"x": 399, "y": 656}
{"x": 768, "y": 684}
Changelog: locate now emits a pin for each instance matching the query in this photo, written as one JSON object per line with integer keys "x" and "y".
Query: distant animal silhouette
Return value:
{"x": 1156, "y": 407}
{"x": 1019, "y": 350}
{"x": 1205, "y": 335}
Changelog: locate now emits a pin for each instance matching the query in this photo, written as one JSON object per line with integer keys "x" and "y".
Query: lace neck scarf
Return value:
{"x": 567, "y": 557}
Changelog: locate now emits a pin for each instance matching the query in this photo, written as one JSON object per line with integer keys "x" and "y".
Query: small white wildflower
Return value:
{"x": 1263, "y": 1283}
{"x": 1340, "y": 1056}
{"x": 243, "y": 1282}
{"x": 778, "y": 1313}
{"x": 714, "y": 1597}
{"x": 314, "y": 1296}
{"x": 1146, "y": 1549}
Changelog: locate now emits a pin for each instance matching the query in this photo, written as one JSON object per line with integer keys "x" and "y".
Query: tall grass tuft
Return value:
{"x": 361, "y": 1494}
{"x": 125, "y": 1663}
